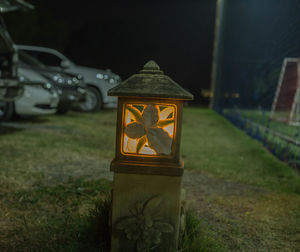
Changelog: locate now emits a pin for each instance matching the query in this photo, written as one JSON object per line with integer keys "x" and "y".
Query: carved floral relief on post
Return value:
{"x": 145, "y": 225}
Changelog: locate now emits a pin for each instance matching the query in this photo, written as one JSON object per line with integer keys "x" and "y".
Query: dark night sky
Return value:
{"x": 124, "y": 35}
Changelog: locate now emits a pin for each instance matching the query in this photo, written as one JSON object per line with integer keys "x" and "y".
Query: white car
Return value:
{"x": 39, "y": 97}
{"x": 98, "y": 81}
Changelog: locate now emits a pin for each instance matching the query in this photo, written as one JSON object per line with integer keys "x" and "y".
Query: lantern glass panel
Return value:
{"x": 148, "y": 129}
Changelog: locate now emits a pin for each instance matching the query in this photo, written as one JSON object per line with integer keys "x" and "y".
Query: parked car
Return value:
{"x": 98, "y": 81}
{"x": 71, "y": 88}
{"x": 39, "y": 98}
{"x": 10, "y": 88}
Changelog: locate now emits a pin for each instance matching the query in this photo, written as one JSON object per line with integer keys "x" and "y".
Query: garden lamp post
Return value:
{"x": 147, "y": 167}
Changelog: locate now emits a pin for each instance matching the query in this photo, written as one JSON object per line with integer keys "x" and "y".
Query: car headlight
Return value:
{"x": 74, "y": 80}
{"x": 47, "y": 85}
{"x": 100, "y": 76}
{"x": 58, "y": 78}
{"x": 111, "y": 79}
{"x": 22, "y": 78}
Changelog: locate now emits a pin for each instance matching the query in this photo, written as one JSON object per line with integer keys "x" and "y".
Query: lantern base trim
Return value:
{"x": 148, "y": 169}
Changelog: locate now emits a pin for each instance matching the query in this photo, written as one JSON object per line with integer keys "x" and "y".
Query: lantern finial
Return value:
{"x": 151, "y": 67}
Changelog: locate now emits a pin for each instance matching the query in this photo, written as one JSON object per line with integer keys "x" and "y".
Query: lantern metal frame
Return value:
{"x": 173, "y": 157}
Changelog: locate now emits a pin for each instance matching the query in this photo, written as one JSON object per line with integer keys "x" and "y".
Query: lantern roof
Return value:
{"x": 150, "y": 82}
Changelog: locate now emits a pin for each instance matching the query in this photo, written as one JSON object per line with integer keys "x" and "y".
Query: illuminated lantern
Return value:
{"x": 147, "y": 167}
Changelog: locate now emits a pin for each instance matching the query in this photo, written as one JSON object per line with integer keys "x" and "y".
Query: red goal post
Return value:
{"x": 286, "y": 103}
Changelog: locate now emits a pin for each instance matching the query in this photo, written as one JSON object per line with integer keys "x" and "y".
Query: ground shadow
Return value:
{"x": 5, "y": 129}
{"x": 17, "y": 124}
{"x": 29, "y": 119}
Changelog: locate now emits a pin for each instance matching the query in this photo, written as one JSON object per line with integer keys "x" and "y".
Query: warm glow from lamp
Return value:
{"x": 129, "y": 144}
{"x": 166, "y": 112}
{"x": 129, "y": 117}
{"x": 169, "y": 129}
{"x": 147, "y": 151}
{"x": 148, "y": 129}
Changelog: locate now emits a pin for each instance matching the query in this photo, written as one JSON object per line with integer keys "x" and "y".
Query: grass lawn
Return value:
{"x": 54, "y": 170}
{"x": 278, "y": 137}
{"x": 262, "y": 117}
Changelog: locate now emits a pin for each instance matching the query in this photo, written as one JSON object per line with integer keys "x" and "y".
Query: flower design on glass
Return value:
{"x": 149, "y": 129}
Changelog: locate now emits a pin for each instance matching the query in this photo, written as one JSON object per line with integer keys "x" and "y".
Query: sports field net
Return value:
{"x": 257, "y": 68}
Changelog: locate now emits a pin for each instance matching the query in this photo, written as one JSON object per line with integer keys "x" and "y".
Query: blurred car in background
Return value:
{"x": 39, "y": 98}
{"x": 70, "y": 88}
{"x": 98, "y": 81}
{"x": 10, "y": 88}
